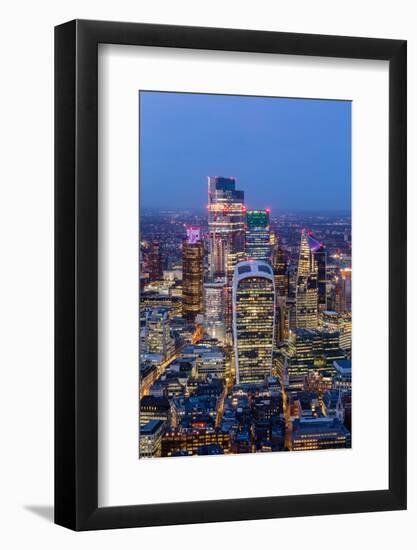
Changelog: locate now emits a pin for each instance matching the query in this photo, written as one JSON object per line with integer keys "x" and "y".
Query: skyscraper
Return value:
{"x": 253, "y": 320}
{"x": 142, "y": 272}
{"x": 154, "y": 261}
{"x": 258, "y": 245}
{"x": 319, "y": 253}
{"x": 192, "y": 273}
{"x": 214, "y": 309}
{"x": 307, "y": 286}
{"x": 344, "y": 291}
{"x": 226, "y": 221}
{"x": 214, "y": 302}
{"x": 282, "y": 321}
{"x": 280, "y": 267}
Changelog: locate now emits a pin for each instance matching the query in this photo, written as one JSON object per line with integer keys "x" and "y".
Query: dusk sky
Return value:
{"x": 287, "y": 154}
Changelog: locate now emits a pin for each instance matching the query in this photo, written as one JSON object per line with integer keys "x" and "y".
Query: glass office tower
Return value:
{"x": 192, "y": 274}
{"x": 253, "y": 320}
{"x": 226, "y": 223}
{"x": 258, "y": 245}
{"x": 319, "y": 253}
{"x": 307, "y": 286}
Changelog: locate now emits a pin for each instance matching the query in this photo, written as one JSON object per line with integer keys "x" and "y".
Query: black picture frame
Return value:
{"x": 76, "y": 271}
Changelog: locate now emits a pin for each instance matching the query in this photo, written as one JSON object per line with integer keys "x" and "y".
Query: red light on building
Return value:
{"x": 198, "y": 424}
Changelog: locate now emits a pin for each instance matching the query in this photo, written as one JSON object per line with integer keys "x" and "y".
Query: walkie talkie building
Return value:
{"x": 253, "y": 320}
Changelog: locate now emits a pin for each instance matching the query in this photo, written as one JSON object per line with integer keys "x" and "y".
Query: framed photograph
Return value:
{"x": 230, "y": 338}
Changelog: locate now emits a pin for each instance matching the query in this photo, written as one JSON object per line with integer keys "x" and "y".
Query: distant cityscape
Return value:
{"x": 245, "y": 327}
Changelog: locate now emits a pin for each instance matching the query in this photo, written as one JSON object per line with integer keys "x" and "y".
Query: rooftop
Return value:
{"x": 250, "y": 268}
{"x": 316, "y": 425}
{"x": 314, "y": 244}
{"x": 343, "y": 365}
{"x": 160, "y": 403}
{"x": 151, "y": 427}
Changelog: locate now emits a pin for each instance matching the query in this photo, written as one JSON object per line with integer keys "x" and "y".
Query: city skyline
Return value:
{"x": 244, "y": 319}
{"x": 306, "y": 147}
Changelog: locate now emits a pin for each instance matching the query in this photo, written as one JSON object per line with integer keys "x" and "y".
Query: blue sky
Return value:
{"x": 287, "y": 154}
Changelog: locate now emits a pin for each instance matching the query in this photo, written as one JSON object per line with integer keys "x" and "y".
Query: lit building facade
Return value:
{"x": 158, "y": 337}
{"x": 226, "y": 220}
{"x": 320, "y": 257}
{"x": 343, "y": 375}
{"x": 253, "y": 320}
{"x": 213, "y": 302}
{"x": 154, "y": 408}
{"x": 319, "y": 433}
{"x": 155, "y": 300}
{"x": 226, "y": 223}
{"x": 281, "y": 319}
{"x": 308, "y": 351}
{"x": 345, "y": 332}
{"x": 245, "y": 337}
{"x": 344, "y": 291}
{"x": 341, "y": 323}
{"x": 214, "y": 309}
{"x": 150, "y": 438}
{"x": 189, "y": 441}
{"x": 307, "y": 286}
{"x": 280, "y": 267}
{"x": 154, "y": 261}
{"x": 210, "y": 359}
{"x": 192, "y": 274}
{"x": 258, "y": 245}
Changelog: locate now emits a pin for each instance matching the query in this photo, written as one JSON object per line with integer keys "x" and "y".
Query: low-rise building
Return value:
{"x": 319, "y": 433}
{"x": 150, "y": 437}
